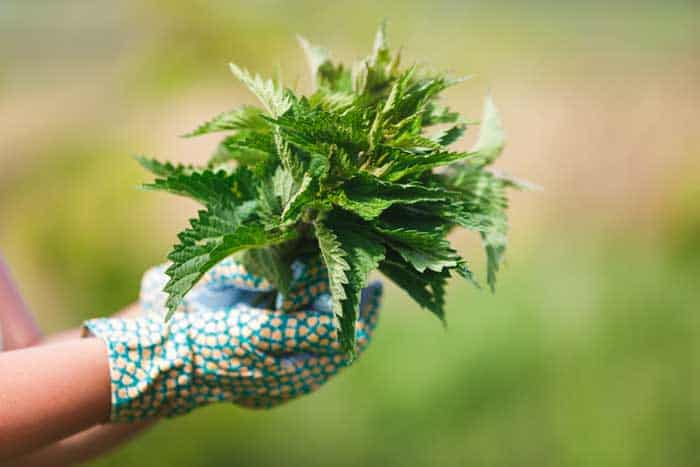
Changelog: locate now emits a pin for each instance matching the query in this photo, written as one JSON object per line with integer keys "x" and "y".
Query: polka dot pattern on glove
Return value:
{"x": 220, "y": 347}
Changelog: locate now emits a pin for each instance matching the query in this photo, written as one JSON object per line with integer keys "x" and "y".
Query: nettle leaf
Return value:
{"x": 491, "y": 134}
{"x": 422, "y": 249}
{"x": 246, "y": 149}
{"x": 213, "y": 236}
{"x": 465, "y": 272}
{"x": 198, "y": 186}
{"x": 427, "y": 288}
{"x": 360, "y": 71}
{"x": 316, "y": 56}
{"x": 307, "y": 126}
{"x": 334, "y": 257}
{"x": 402, "y": 167}
{"x": 449, "y": 135}
{"x": 208, "y": 186}
{"x": 271, "y": 264}
{"x": 283, "y": 185}
{"x": 494, "y": 241}
{"x": 241, "y": 118}
{"x": 364, "y": 252}
{"x": 381, "y": 54}
{"x": 434, "y": 114}
{"x": 324, "y": 73}
{"x": 273, "y": 98}
{"x": 356, "y": 173}
{"x": 332, "y": 101}
{"x": 369, "y": 196}
{"x": 164, "y": 169}
{"x": 303, "y": 195}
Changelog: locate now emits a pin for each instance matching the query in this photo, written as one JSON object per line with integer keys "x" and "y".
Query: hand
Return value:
{"x": 220, "y": 346}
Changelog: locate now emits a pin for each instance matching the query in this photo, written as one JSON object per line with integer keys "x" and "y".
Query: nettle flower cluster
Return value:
{"x": 360, "y": 173}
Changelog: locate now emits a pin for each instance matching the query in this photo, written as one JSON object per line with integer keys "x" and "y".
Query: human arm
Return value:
{"x": 20, "y": 330}
{"x": 50, "y": 392}
{"x": 91, "y": 442}
{"x": 81, "y": 447}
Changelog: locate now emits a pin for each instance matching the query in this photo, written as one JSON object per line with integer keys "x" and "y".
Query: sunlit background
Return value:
{"x": 589, "y": 352}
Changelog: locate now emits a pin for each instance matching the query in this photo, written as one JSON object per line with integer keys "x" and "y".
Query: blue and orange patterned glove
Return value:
{"x": 221, "y": 346}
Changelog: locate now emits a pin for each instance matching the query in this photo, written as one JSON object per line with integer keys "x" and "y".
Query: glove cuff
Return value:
{"x": 150, "y": 366}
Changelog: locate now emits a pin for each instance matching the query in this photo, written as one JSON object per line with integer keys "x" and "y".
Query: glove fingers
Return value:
{"x": 229, "y": 273}
{"x": 278, "y": 333}
{"x": 229, "y": 283}
{"x": 273, "y": 331}
{"x": 310, "y": 280}
{"x": 151, "y": 297}
{"x": 225, "y": 285}
{"x": 312, "y": 331}
{"x": 296, "y": 375}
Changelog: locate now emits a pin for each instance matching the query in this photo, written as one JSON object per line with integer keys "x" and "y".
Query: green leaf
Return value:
{"x": 303, "y": 196}
{"x": 369, "y": 196}
{"x": 411, "y": 164}
{"x": 491, "y": 134}
{"x": 284, "y": 185}
{"x": 449, "y": 136}
{"x": 495, "y": 242}
{"x": 269, "y": 205}
{"x": 212, "y": 237}
{"x": 482, "y": 192}
{"x": 434, "y": 115}
{"x": 273, "y": 98}
{"x": 335, "y": 260}
{"x": 241, "y": 118}
{"x": 469, "y": 220}
{"x": 208, "y": 186}
{"x": 164, "y": 169}
{"x": 380, "y": 53}
{"x": 427, "y": 289}
{"x": 332, "y": 101}
{"x": 359, "y": 77}
{"x": 307, "y": 127}
{"x": 463, "y": 270}
{"x": 316, "y": 56}
{"x": 363, "y": 253}
{"x": 244, "y": 148}
{"x": 423, "y": 250}
{"x": 426, "y": 217}
{"x": 271, "y": 264}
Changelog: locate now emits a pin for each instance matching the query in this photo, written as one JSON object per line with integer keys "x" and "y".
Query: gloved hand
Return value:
{"x": 221, "y": 345}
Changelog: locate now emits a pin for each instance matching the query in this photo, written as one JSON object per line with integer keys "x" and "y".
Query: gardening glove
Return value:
{"x": 220, "y": 346}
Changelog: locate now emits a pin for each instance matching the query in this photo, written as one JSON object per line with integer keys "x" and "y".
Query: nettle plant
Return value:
{"x": 359, "y": 172}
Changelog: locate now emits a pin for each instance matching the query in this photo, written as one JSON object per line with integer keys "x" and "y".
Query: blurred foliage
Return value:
{"x": 587, "y": 355}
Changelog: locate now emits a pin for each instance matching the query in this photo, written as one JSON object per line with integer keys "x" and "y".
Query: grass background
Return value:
{"x": 589, "y": 352}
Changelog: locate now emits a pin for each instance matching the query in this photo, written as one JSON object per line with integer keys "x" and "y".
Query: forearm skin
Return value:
{"x": 50, "y": 392}
{"x": 59, "y": 445}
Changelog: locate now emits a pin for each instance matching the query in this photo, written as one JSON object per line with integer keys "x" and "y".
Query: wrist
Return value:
{"x": 150, "y": 366}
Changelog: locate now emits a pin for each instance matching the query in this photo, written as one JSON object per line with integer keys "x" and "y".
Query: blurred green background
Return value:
{"x": 588, "y": 354}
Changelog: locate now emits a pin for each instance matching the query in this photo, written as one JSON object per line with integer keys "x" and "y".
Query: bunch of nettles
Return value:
{"x": 359, "y": 172}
